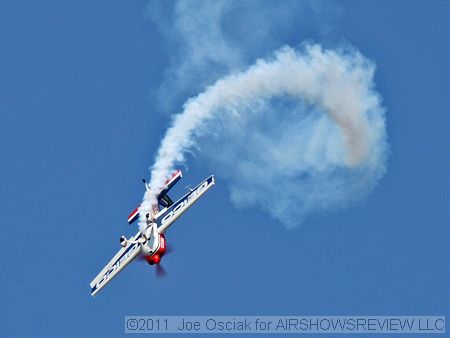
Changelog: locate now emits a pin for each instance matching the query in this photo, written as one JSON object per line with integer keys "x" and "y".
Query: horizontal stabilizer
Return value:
{"x": 176, "y": 176}
{"x": 163, "y": 198}
{"x": 133, "y": 216}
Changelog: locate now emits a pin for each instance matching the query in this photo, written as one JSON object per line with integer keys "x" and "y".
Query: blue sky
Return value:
{"x": 81, "y": 123}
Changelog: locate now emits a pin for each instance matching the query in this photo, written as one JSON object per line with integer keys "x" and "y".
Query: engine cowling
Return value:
{"x": 156, "y": 257}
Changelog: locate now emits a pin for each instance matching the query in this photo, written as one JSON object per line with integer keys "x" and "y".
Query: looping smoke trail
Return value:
{"x": 337, "y": 84}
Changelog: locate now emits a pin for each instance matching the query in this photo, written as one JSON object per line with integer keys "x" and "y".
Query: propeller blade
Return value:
{"x": 141, "y": 258}
{"x": 170, "y": 249}
{"x": 160, "y": 272}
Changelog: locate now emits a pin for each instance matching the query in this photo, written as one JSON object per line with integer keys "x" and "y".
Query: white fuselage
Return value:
{"x": 153, "y": 240}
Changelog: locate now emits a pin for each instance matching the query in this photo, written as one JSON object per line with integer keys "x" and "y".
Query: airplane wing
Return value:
{"x": 169, "y": 215}
{"x": 125, "y": 256}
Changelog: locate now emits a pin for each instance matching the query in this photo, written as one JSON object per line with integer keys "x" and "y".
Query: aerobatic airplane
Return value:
{"x": 151, "y": 243}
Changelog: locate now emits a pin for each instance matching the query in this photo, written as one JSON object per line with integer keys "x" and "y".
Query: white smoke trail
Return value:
{"x": 339, "y": 83}
{"x": 210, "y": 39}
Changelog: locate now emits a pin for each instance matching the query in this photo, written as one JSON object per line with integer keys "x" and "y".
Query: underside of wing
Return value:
{"x": 168, "y": 215}
{"x": 125, "y": 256}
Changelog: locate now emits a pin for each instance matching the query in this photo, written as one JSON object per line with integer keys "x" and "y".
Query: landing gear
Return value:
{"x": 123, "y": 241}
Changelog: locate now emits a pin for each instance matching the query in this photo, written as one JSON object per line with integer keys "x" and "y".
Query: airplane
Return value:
{"x": 151, "y": 243}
